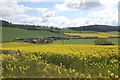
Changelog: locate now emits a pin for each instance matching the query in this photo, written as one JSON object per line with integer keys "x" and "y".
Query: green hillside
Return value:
{"x": 9, "y": 33}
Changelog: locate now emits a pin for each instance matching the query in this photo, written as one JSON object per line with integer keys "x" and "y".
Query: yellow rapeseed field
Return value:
{"x": 97, "y": 34}
{"x": 66, "y": 49}
{"x": 79, "y": 60}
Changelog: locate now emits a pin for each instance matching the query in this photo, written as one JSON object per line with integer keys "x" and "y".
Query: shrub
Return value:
{"x": 101, "y": 41}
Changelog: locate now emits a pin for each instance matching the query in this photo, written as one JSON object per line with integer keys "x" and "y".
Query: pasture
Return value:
{"x": 9, "y": 33}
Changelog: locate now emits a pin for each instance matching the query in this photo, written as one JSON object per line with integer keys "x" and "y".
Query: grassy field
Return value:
{"x": 83, "y": 41}
{"x": 59, "y": 61}
{"x": 114, "y": 32}
{"x": 9, "y": 33}
{"x": 0, "y": 34}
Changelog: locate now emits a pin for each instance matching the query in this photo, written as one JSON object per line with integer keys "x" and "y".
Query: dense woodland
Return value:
{"x": 99, "y": 28}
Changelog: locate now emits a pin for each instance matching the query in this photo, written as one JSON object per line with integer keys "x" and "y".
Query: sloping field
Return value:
{"x": 9, "y": 33}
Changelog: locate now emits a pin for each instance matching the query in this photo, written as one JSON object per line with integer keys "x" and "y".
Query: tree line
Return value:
{"x": 99, "y": 28}
{"x": 30, "y": 27}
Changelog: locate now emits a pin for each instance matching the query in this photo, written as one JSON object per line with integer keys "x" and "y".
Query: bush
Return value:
{"x": 103, "y": 42}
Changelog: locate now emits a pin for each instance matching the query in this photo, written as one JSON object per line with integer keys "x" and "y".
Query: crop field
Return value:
{"x": 59, "y": 61}
{"x": 83, "y": 41}
{"x": 97, "y": 34}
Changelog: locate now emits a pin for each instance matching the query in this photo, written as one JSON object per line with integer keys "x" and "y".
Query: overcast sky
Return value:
{"x": 60, "y": 13}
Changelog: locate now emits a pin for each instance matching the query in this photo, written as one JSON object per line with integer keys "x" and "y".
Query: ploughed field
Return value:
{"x": 59, "y": 61}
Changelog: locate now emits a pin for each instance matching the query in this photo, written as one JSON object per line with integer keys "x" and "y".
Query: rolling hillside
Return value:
{"x": 10, "y": 33}
{"x": 89, "y": 28}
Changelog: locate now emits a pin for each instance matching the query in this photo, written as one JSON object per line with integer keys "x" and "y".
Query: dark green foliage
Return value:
{"x": 103, "y": 42}
{"x": 99, "y": 28}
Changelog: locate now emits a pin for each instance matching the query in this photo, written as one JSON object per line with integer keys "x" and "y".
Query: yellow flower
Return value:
{"x": 108, "y": 71}
{"x": 112, "y": 74}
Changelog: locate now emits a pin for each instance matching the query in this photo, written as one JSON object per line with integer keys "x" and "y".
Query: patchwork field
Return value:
{"x": 77, "y": 58}
{"x": 59, "y": 61}
{"x": 97, "y": 34}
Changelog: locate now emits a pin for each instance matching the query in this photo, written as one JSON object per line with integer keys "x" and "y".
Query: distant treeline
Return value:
{"x": 29, "y": 27}
{"x": 99, "y": 28}
{"x": 9, "y": 24}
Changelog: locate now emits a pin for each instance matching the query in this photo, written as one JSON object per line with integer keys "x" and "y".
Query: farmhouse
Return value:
{"x": 35, "y": 40}
{"x": 45, "y": 40}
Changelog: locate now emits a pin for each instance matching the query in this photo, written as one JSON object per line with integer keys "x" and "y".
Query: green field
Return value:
{"x": 114, "y": 32}
{"x": 83, "y": 41}
{"x": 0, "y": 34}
{"x": 9, "y": 34}
{"x": 73, "y": 31}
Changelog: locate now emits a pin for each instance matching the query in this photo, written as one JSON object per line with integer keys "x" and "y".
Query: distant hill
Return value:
{"x": 11, "y": 31}
{"x": 96, "y": 28}
{"x": 99, "y": 28}
{"x": 30, "y": 27}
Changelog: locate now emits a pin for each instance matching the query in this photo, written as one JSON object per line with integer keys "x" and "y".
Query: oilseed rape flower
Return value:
{"x": 61, "y": 60}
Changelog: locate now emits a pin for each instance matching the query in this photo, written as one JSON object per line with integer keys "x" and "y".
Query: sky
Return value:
{"x": 60, "y": 13}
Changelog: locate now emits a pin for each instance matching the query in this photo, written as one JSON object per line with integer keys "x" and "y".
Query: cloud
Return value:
{"x": 41, "y": 9}
{"x": 48, "y": 14}
{"x": 31, "y": 20}
{"x": 62, "y": 7}
{"x": 109, "y": 3}
{"x": 45, "y": 0}
{"x": 59, "y": 21}
{"x": 56, "y": 21}
{"x": 107, "y": 16}
{"x": 9, "y": 9}
{"x": 34, "y": 0}
{"x": 83, "y": 4}
{"x": 70, "y": 5}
